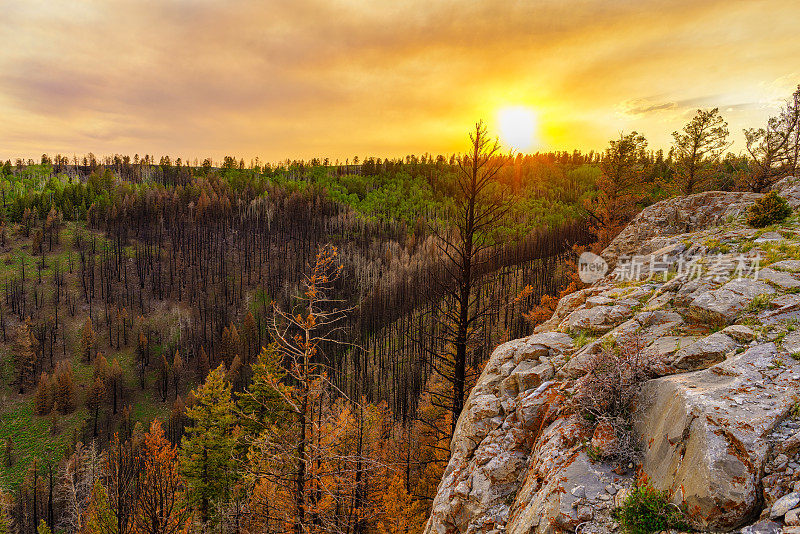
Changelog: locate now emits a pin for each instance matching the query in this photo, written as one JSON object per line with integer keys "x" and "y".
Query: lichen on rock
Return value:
{"x": 717, "y": 424}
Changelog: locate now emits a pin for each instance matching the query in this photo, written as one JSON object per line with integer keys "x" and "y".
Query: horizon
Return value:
{"x": 298, "y": 80}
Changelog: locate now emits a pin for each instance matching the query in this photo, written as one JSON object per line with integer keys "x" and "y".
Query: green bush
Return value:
{"x": 648, "y": 510}
{"x": 769, "y": 209}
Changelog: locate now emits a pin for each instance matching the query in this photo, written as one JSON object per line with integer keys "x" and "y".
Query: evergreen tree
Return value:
{"x": 207, "y": 447}
{"x": 88, "y": 340}
{"x": 43, "y": 400}
{"x": 25, "y": 358}
{"x": 99, "y": 517}
{"x": 65, "y": 394}
{"x": 160, "y": 507}
{"x": 698, "y": 148}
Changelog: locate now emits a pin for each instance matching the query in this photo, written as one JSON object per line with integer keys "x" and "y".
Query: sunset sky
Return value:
{"x": 336, "y": 78}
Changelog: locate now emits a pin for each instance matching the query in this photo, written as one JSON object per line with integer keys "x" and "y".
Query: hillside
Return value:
{"x": 681, "y": 373}
{"x": 124, "y": 285}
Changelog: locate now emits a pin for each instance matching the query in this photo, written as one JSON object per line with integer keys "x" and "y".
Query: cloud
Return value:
{"x": 298, "y": 78}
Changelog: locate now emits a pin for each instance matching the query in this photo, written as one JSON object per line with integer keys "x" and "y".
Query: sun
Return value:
{"x": 517, "y": 125}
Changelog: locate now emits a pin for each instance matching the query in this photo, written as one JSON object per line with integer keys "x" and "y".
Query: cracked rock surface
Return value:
{"x": 718, "y": 427}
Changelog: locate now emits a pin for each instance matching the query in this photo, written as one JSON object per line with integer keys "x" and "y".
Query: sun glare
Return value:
{"x": 517, "y": 127}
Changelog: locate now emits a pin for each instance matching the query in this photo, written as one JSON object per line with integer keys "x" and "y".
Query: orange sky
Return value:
{"x": 336, "y": 78}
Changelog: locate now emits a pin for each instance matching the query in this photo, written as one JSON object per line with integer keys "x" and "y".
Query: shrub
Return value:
{"x": 607, "y": 392}
{"x": 769, "y": 209}
{"x": 646, "y": 510}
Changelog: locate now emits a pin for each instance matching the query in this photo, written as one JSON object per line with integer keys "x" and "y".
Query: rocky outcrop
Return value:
{"x": 679, "y": 215}
{"x": 719, "y": 424}
{"x": 511, "y": 402}
{"x": 706, "y": 433}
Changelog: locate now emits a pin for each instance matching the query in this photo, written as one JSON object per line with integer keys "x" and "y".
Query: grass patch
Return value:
{"x": 31, "y": 438}
{"x": 648, "y": 510}
{"x": 760, "y": 303}
{"x": 583, "y": 339}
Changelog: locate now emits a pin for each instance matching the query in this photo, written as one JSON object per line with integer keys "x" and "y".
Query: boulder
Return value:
{"x": 665, "y": 347}
{"x": 726, "y": 304}
{"x": 784, "y": 505}
{"x": 676, "y": 216}
{"x": 792, "y": 517}
{"x": 604, "y": 439}
{"x": 779, "y": 278}
{"x": 558, "y": 465}
{"x": 789, "y": 188}
{"x": 787, "y": 265}
{"x": 740, "y": 332}
{"x": 763, "y": 527}
{"x": 598, "y": 319}
{"x": 791, "y": 445}
{"x": 490, "y": 452}
{"x": 567, "y": 305}
{"x": 703, "y": 353}
{"x": 703, "y": 447}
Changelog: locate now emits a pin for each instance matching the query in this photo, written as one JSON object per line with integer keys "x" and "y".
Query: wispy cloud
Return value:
{"x": 299, "y": 78}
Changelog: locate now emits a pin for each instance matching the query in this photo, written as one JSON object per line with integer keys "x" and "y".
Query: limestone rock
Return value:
{"x": 704, "y": 353}
{"x": 740, "y": 333}
{"x": 709, "y": 450}
{"x": 791, "y": 445}
{"x": 784, "y": 504}
{"x": 779, "y": 278}
{"x": 676, "y": 216}
{"x": 792, "y": 517}
{"x": 789, "y": 188}
{"x": 558, "y": 463}
{"x": 763, "y": 527}
{"x": 597, "y": 319}
{"x": 567, "y": 305}
{"x": 787, "y": 265}
{"x": 726, "y": 304}
{"x": 604, "y": 439}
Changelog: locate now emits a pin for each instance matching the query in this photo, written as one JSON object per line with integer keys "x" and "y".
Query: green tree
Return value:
{"x": 619, "y": 186}
{"x": 99, "y": 517}
{"x": 261, "y": 403}
{"x": 774, "y": 150}
{"x": 207, "y": 460}
{"x": 698, "y": 148}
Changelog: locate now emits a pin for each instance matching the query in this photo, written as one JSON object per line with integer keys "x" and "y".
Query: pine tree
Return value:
{"x": 94, "y": 399}
{"x": 698, "y": 148}
{"x": 231, "y": 344}
{"x": 160, "y": 508}
{"x": 88, "y": 340}
{"x": 207, "y": 447}
{"x": 65, "y": 394}
{"x": 26, "y": 357}
{"x": 99, "y": 517}
{"x": 261, "y": 404}
{"x": 43, "y": 400}
{"x": 203, "y": 365}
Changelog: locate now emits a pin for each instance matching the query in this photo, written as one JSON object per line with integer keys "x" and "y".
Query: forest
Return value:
{"x": 231, "y": 347}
